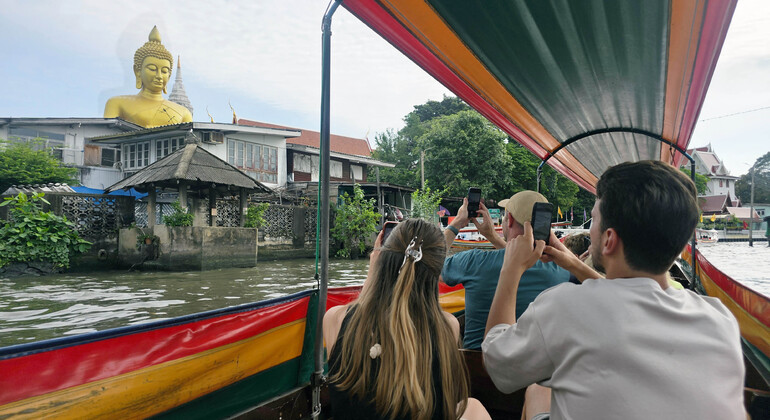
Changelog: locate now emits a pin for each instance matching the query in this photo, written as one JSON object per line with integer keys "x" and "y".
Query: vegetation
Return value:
{"x": 354, "y": 221}
{"x": 425, "y": 204}
{"x": 255, "y": 215}
{"x": 731, "y": 223}
{"x": 21, "y": 163}
{"x": 180, "y": 216}
{"x": 31, "y": 234}
{"x": 462, "y": 149}
{"x": 701, "y": 181}
{"x": 761, "y": 182}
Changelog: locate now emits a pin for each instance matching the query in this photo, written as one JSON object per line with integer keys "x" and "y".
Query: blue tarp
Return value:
{"x": 132, "y": 192}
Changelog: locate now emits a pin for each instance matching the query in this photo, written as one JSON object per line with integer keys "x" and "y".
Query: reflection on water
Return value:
{"x": 748, "y": 265}
{"x": 38, "y": 308}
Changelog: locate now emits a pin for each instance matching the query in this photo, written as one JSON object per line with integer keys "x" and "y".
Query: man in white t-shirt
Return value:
{"x": 628, "y": 346}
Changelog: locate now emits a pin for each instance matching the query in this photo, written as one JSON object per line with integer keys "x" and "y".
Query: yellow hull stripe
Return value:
{"x": 752, "y": 329}
{"x": 158, "y": 388}
{"x": 453, "y": 301}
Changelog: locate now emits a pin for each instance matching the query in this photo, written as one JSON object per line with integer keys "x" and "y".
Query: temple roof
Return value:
{"x": 178, "y": 95}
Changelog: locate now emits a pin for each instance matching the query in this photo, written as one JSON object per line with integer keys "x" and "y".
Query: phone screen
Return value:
{"x": 541, "y": 221}
{"x": 474, "y": 197}
{"x": 387, "y": 228}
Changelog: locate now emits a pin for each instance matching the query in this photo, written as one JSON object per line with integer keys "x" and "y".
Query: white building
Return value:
{"x": 707, "y": 163}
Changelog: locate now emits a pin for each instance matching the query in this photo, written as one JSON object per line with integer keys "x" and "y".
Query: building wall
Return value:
{"x": 727, "y": 186}
{"x": 305, "y": 168}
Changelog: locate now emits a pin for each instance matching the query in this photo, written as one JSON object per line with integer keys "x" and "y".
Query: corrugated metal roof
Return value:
{"x": 194, "y": 164}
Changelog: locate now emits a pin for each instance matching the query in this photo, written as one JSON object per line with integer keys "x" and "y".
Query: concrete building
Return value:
{"x": 707, "y": 163}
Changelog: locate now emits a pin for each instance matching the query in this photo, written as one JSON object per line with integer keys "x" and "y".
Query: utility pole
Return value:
{"x": 422, "y": 169}
{"x": 751, "y": 211}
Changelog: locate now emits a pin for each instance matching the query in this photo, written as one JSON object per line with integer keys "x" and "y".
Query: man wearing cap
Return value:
{"x": 478, "y": 270}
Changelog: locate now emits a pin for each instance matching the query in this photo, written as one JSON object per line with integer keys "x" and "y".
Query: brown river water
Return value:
{"x": 39, "y": 308}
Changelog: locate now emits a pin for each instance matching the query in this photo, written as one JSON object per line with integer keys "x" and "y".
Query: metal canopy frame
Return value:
{"x": 625, "y": 130}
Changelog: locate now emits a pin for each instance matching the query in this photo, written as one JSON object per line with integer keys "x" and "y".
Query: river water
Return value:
{"x": 38, "y": 308}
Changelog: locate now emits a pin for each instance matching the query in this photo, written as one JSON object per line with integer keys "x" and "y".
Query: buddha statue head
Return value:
{"x": 153, "y": 64}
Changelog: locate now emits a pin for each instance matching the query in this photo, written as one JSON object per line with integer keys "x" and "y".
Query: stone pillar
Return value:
{"x": 243, "y": 205}
{"x": 298, "y": 227}
{"x": 151, "y": 207}
{"x": 212, "y": 206}
{"x": 183, "y": 194}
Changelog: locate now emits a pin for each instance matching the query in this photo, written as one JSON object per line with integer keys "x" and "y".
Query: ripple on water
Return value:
{"x": 748, "y": 265}
{"x": 54, "y": 306}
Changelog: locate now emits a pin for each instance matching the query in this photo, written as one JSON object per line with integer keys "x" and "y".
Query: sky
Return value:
{"x": 66, "y": 58}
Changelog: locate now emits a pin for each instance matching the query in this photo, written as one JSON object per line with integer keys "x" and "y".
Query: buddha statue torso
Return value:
{"x": 148, "y": 108}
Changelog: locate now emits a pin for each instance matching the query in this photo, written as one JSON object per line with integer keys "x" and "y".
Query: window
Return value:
{"x": 335, "y": 169}
{"x": 165, "y": 147}
{"x": 136, "y": 155}
{"x": 257, "y": 160}
{"x": 110, "y": 156}
{"x": 720, "y": 183}
{"x": 357, "y": 172}
{"x": 39, "y": 140}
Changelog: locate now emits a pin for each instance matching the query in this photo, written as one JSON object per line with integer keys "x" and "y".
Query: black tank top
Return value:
{"x": 346, "y": 406}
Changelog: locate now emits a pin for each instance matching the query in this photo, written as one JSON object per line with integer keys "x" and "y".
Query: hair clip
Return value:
{"x": 416, "y": 254}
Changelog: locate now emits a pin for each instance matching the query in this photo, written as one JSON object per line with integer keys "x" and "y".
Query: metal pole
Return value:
{"x": 751, "y": 211}
{"x": 323, "y": 179}
{"x": 694, "y": 252}
{"x": 379, "y": 197}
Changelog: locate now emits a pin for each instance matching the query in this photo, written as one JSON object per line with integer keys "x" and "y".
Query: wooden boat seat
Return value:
{"x": 499, "y": 405}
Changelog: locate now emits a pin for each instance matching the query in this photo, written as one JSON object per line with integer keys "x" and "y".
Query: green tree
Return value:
{"x": 701, "y": 181}
{"x": 354, "y": 221}
{"x": 403, "y": 148}
{"x": 465, "y": 150}
{"x": 180, "y": 216}
{"x": 31, "y": 234}
{"x": 21, "y": 163}
{"x": 761, "y": 182}
{"x": 425, "y": 204}
{"x": 255, "y": 215}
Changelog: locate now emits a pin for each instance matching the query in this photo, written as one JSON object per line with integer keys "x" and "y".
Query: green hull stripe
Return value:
{"x": 240, "y": 396}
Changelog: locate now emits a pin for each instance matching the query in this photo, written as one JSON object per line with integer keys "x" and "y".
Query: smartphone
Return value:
{"x": 387, "y": 228}
{"x": 541, "y": 221}
{"x": 474, "y": 197}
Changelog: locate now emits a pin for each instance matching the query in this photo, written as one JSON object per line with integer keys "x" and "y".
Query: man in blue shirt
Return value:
{"x": 478, "y": 270}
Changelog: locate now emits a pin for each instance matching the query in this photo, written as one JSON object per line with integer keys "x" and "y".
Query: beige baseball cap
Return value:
{"x": 520, "y": 204}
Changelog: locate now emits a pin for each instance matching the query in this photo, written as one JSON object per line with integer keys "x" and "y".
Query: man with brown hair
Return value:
{"x": 628, "y": 346}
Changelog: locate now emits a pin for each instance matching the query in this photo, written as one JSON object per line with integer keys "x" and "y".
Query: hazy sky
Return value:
{"x": 66, "y": 58}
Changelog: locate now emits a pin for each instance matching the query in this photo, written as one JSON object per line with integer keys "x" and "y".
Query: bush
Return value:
{"x": 31, "y": 234}
{"x": 180, "y": 216}
{"x": 355, "y": 219}
{"x": 29, "y": 163}
{"x": 255, "y": 215}
{"x": 425, "y": 204}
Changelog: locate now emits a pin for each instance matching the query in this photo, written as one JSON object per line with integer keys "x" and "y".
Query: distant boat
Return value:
{"x": 706, "y": 236}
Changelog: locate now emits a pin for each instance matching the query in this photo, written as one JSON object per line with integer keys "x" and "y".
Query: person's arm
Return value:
{"x": 460, "y": 221}
{"x": 520, "y": 254}
{"x": 558, "y": 253}
{"x": 487, "y": 228}
{"x": 331, "y": 325}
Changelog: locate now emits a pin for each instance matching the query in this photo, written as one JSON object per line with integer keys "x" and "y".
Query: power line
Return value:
{"x": 736, "y": 113}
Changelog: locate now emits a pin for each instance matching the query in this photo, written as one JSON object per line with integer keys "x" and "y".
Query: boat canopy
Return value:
{"x": 625, "y": 77}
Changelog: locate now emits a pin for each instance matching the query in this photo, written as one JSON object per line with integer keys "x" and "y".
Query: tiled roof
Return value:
{"x": 339, "y": 144}
{"x": 714, "y": 203}
{"x": 743, "y": 213}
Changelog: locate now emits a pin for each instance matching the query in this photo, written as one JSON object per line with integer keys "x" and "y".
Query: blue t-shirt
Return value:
{"x": 478, "y": 271}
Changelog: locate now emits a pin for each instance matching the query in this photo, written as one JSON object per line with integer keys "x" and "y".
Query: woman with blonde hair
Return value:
{"x": 393, "y": 353}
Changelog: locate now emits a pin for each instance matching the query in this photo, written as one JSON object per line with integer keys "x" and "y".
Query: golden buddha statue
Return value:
{"x": 152, "y": 67}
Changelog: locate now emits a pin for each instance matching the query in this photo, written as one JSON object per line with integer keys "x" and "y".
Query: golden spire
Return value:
{"x": 235, "y": 117}
{"x": 207, "y": 111}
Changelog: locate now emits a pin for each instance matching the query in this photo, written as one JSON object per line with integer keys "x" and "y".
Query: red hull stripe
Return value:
{"x": 109, "y": 357}
{"x": 754, "y": 303}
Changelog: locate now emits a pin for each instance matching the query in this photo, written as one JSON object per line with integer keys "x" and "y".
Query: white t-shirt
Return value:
{"x": 623, "y": 349}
